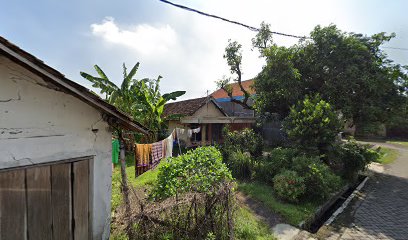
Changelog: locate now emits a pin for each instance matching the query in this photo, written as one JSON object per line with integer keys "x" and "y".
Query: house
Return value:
{"x": 206, "y": 114}
{"x": 55, "y": 148}
{"x": 231, "y": 108}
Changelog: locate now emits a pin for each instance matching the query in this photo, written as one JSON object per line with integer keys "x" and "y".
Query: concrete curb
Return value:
{"x": 346, "y": 203}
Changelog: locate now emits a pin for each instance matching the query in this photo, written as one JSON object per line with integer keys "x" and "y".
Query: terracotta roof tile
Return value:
{"x": 236, "y": 91}
{"x": 188, "y": 107}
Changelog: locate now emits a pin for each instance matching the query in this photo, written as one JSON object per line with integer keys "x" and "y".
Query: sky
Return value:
{"x": 185, "y": 48}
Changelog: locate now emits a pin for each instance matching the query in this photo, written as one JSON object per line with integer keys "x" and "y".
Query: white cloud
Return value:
{"x": 144, "y": 38}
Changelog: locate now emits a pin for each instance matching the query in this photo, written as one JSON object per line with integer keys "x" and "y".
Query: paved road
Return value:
{"x": 381, "y": 210}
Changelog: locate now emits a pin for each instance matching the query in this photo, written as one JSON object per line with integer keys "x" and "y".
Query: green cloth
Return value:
{"x": 115, "y": 151}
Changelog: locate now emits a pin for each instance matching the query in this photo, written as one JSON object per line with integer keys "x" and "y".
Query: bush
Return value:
{"x": 312, "y": 124}
{"x": 245, "y": 140}
{"x": 200, "y": 170}
{"x": 319, "y": 179}
{"x": 289, "y": 186}
{"x": 240, "y": 164}
{"x": 350, "y": 158}
{"x": 272, "y": 164}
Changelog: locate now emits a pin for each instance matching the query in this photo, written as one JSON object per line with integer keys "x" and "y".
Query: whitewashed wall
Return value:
{"x": 39, "y": 125}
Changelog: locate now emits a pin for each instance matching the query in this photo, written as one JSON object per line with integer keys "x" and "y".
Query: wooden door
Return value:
{"x": 45, "y": 202}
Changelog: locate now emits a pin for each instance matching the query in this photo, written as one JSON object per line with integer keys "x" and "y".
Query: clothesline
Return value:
{"x": 148, "y": 156}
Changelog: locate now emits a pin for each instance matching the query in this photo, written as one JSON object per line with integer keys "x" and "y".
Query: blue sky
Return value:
{"x": 183, "y": 47}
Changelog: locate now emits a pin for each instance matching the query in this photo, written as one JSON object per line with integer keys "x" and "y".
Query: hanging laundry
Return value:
{"x": 169, "y": 147}
{"x": 157, "y": 153}
{"x": 164, "y": 147}
{"x": 196, "y": 130}
{"x": 180, "y": 132}
{"x": 115, "y": 151}
{"x": 189, "y": 133}
{"x": 142, "y": 158}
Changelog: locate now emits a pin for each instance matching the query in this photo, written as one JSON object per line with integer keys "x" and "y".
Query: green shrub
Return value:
{"x": 240, "y": 164}
{"x": 245, "y": 140}
{"x": 199, "y": 170}
{"x": 289, "y": 186}
{"x": 312, "y": 124}
{"x": 274, "y": 162}
{"x": 350, "y": 158}
{"x": 319, "y": 179}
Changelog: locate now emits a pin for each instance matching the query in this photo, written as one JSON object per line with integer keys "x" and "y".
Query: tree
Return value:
{"x": 348, "y": 70}
{"x": 233, "y": 55}
{"x": 312, "y": 124}
{"x": 139, "y": 98}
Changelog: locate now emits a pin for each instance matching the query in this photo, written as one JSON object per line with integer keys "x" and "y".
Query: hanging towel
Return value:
{"x": 115, "y": 151}
{"x": 180, "y": 133}
{"x": 196, "y": 130}
{"x": 157, "y": 153}
{"x": 142, "y": 158}
{"x": 169, "y": 147}
{"x": 189, "y": 133}
{"x": 164, "y": 147}
{"x": 142, "y": 153}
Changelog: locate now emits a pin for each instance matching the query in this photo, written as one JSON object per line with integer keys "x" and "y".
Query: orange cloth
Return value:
{"x": 142, "y": 154}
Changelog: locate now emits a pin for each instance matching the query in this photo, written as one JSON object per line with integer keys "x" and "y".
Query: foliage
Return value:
{"x": 139, "y": 98}
{"x": 289, "y": 186}
{"x": 312, "y": 124}
{"x": 233, "y": 55}
{"x": 199, "y": 170}
{"x": 350, "y": 158}
{"x": 293, "y": 214}
{"x": 278, "y": 86}
{"x": 348, "y": 70}
{"x": 245, "y": 140}
{"x": 319, "y": 179}
{"x": 263, "y": 39}
{"x": 240, "y": 164}
{"x": 274, "y": 162}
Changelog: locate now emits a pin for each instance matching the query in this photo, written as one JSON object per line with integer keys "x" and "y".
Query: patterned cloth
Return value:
{"x": 157, "y": 153}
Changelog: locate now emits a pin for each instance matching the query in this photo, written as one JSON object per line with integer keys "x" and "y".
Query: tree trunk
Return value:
{"x": 125, "y": 188}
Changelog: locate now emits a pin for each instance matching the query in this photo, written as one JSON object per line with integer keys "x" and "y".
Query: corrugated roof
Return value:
{"x": 236, "y": 90}
{"x": 188, "y": 107}
{"x": 51, "y": 75}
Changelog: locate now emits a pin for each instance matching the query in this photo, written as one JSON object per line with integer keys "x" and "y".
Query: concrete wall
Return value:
{"x": 208, "y": 110}
{"x": 39, "y": 125}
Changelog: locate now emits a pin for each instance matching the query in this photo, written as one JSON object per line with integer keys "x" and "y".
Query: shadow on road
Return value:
{"x": 380, "y": 211}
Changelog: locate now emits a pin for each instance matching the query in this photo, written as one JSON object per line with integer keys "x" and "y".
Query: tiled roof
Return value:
{"x": 236, "y": 91}
{"x": 187, "y": 107}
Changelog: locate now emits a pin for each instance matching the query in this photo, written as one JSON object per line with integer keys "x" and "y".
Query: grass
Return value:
{"x": 294, "y": 214}
{"x": 388, "y": 155}
{"x": 145, "y": 180}
{"x": 248, "y": 226}
{"x": 405, "y": 143}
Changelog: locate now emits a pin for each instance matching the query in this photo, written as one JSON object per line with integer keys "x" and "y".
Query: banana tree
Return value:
{"x": 139, "y": 98}
{"x": 152, "y": 104}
